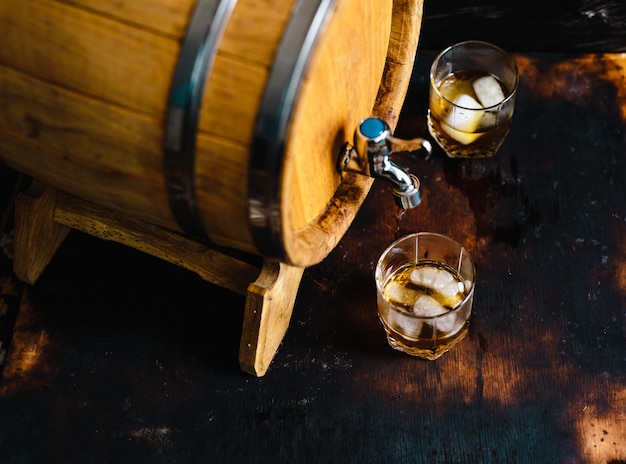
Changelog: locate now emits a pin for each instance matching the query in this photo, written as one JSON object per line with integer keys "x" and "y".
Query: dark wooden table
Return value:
{"x": 119, "y": 357}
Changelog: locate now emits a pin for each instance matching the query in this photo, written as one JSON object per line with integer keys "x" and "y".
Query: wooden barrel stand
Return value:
{"x": 44, "y": 216}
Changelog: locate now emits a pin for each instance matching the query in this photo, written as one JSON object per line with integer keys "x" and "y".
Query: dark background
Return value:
{"x": 135, "y": 360}
{"x": 527, "y": 26}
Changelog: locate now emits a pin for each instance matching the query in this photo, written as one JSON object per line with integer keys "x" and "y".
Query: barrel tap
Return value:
{"x": 371, "y": 155}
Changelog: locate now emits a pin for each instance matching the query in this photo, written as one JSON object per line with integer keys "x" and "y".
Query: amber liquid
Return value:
{"x": 407, "y": 331}
{"x": 426, "y": 348}
{"x": 486, "y": 138}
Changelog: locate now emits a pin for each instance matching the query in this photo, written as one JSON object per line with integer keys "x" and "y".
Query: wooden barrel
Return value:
{"x": 218, "y": 119}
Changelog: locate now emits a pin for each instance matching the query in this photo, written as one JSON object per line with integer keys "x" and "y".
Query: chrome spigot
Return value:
{"x": 371, "y": 155}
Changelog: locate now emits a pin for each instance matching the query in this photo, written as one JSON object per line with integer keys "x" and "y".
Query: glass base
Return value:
{"x": 476, "y": 150}
{"x": 423, "y": 349}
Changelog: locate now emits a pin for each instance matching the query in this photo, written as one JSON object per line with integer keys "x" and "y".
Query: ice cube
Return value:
{"x": 488, "y": 91}
{"x": 450, "y": 88}
{"x": 463, "y": 120}
{"x": 424, "y": 276}
{"x": 446, "y": 324}
{"x": 398, "y": 294}
{"x": 442, "y": 279}
{"x": 459, "y": 136}
{"x": 464, "y": 117}
{"x": 404, "y": 324}
{"x": 451, "y": 289}
{"x": 489, "y": 120}
{"x": 427, "y": 306}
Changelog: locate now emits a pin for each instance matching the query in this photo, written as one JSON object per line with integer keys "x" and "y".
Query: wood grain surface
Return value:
{"x": 89, "y": 120}
{"x": 120, "y": 357}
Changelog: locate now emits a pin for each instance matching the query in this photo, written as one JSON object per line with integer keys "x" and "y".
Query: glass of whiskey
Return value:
{"x": 471, "y": 99}
{"x": 425, "y": 287}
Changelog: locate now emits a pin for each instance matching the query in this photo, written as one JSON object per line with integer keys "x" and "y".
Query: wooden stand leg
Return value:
{"x": 269, "y": 305}
{"x": 44, "y": 216}
{"x": 37, "y": 235}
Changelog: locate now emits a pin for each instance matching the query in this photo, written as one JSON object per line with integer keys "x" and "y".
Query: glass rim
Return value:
{"x": 462, "y": 249}
{"x": 500, "y": 50}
